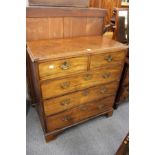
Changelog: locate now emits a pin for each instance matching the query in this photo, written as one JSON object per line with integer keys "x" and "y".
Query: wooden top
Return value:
{"x": 44, "y": 11}
{"x": 60, "y": 48}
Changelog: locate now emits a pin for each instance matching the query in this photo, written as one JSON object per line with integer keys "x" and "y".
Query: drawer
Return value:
{"x": 53, "y": 88}
{"x": 58, "y": 68}
{"x": 79, "y": 114}
{"x": 68, "y": 101}
{"x": 99, "y": 60}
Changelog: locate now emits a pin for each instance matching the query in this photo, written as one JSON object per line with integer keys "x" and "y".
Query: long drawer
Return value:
{"x": 78, "y": 114}
{"x": 58, "y": 68}
{"x": 99, "y": 60}
{"x": 68, "y": 101}
{"x": 52, "y": 88}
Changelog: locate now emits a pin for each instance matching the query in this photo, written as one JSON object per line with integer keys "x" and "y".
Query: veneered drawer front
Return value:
{"x": 53, "y": 88}
{"x": 58, "y": 68}
{"x": 68, "y": 101}
{"x": 99, "y": 60}
{"x": 78, "y": 114}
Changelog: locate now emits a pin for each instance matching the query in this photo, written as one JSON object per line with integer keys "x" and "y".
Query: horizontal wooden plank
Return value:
{"x": 42, "y": 11}
{"x": 75, "y": 3}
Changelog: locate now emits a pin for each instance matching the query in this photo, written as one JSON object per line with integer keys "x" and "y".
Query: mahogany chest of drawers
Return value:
{"x": 74, "y": 79}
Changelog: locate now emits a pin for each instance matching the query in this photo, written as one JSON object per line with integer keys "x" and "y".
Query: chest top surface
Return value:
{"x": 43, "y": 50}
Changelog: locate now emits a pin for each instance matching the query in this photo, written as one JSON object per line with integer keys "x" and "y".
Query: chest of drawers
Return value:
{"x": 74, "y": 79}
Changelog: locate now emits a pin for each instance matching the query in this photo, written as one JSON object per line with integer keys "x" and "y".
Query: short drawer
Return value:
{"x": 58, "y": 68}
{"x": 79, "y": 114}
{"x": 99, "y": 60}
{"x": 68, "y": 101}
{"x": 53, "y": 88}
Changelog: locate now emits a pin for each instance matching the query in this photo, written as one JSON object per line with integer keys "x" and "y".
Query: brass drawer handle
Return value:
{"x": 100, "y": 107}
{"x": 103, "y": 90}
{"x": 65, "y": 65}
{"x": 109, "y": 58}
{"x": 83, "y": 107}
{"x": 125, "y": 142}
{"x": 106, "y": 75}
{"x": 88, "y": 77}
{"x": 66, "y": 118}
{"x": 65, "y": 85}
{"x": 65, "y": 102}
{"x": 85, "y": 92}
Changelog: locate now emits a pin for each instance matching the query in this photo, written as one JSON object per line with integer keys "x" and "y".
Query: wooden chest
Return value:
{"x": 73, "y": 3}
{"x": 74, "y": 79}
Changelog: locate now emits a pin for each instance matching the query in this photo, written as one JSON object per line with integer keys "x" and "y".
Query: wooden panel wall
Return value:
{"x": 62, "y": 27}
{"x": 106, "y": 4}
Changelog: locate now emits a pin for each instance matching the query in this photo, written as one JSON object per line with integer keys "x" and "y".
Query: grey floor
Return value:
{"x": 99, "y": 136}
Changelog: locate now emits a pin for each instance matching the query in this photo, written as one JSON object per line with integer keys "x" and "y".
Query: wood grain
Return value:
{"x": 55, "y": 28}
{"x": 99, "y": 60}
{"x": 44, "y": 28}
{"x": 77, "y": 114}
{"x": 79, "y": 81}
{"x": 68, "y": 101}
{"x": 74, "y": 26}
{"x": 94, "y": 26}
{"x": 63, "y": 27}
{"x": 63, "y": 22}
{"x": 37, "y": 28}
{"x": 44, "y": 12}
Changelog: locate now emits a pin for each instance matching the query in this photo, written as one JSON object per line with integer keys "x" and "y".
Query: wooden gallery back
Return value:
{"x": 73, "y": 72}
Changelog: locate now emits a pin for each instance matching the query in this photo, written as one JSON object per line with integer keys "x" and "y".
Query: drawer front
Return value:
{"x": 78, "y": 114}
{"x": 52, "y": 88}
{"x": 63, "y": 67}
{"x": 99, "y": 60}
{"x": 68, "y": 101}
